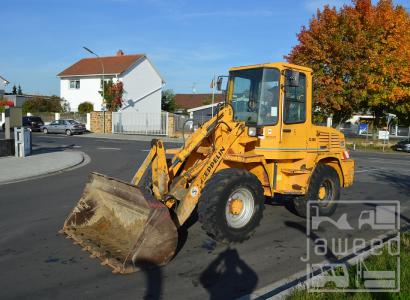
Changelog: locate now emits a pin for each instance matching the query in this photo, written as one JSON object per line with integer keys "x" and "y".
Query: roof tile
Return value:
{"x": 92, "y": 66}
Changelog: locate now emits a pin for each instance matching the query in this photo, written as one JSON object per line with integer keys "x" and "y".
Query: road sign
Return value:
{"x": 383, "y": 135}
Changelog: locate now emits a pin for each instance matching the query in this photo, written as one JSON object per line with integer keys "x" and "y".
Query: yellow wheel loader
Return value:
{"x": 261, "y": 142}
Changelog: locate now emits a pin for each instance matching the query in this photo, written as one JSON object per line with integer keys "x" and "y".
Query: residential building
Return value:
{"x": 189, "y": 101}
{"x": 142, "y": 83}
{"x": 3, "y": 83}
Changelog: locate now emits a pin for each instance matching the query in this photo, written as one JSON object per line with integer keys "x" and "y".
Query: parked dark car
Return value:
{"x": 68, "y": 127}
{"x": 31, "y": 122}
{"x": 403, "y": 145}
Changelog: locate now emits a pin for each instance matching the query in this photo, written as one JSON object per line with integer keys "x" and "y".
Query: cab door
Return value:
{"x": 295, "y": 121}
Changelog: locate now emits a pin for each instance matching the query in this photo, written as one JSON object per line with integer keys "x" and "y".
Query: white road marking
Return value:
{"x": 108, "y": 148}
{"x": 146, "y": 150}
{"x": 51, "y": 137}
{"x": 76, "y": 146}
{"x": 368, "y": 170}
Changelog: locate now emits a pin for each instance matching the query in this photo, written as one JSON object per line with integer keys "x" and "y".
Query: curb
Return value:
{"x": 144, "y": 138}
{"x": 84, "y": 161}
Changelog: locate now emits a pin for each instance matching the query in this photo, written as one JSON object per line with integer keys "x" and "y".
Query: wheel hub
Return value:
{"x": 235, "y": 206}
{"x": 239, "y": 208}
{"x": 322, "y": 193}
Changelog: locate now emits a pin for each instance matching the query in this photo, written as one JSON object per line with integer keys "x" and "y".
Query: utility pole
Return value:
{"x": 103, "y": 83}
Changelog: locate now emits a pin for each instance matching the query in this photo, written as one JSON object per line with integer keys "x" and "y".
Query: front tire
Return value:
{"x": 231, "y": 205}
{"x": 45, "y": 130}
{"x": 68, "y": 132}
{"x": 324, "y": 188}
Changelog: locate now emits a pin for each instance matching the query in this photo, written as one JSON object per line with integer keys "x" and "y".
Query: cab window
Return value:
{"x": 295, "y": 98}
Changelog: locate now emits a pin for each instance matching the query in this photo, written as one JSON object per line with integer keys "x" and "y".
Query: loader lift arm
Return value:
{"x": 162, "y": 174}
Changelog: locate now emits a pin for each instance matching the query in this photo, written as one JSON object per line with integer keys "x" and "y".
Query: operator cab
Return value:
{"x": 255, "y": 93}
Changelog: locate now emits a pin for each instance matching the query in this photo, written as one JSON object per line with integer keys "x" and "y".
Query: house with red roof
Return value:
{"x": 142, "y": 83}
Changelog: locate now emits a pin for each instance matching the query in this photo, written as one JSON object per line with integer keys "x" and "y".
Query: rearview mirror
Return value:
{"x": 219, "y": 83}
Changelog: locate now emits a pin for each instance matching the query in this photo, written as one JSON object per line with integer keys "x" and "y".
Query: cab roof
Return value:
{"x": 280, "y": 65}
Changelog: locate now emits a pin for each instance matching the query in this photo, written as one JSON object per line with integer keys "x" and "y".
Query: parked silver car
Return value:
{"x": 68, "y": 127}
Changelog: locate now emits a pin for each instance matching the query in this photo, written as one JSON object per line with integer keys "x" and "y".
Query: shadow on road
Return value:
{"x": 282, "y": 200}
{"x": 314, "y": 237}
{"x": 153, "y": 279}
{"x": 183, "y": 230}
{"x": 42, "y": 150}
{"x": 228, "y": 276}
{"x": 399, "y": 181}
{"x": 402, "y": 217}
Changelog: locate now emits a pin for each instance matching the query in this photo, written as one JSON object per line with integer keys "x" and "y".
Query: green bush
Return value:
{"x": 45, "y": 104}
{"x": 85, "y": 107}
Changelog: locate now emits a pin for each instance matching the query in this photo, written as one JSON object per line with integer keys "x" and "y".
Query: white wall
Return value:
{"x": 142, "y": 89}
{"x": 2, "y": 85}
{"x": 88, "y": 91}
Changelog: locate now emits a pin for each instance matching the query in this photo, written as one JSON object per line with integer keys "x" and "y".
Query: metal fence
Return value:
{"x": 82, "y": 118}
{"x": 352, "y": 130}
{"x": 181, "y": 121}
{"x": 46, "y": 117}
{"x": 140, "y": 123}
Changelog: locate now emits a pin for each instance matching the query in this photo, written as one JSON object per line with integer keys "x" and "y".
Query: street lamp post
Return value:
{"x": 103, "y": 83}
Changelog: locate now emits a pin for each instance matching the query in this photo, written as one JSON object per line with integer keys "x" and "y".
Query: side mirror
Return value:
{"x": 292, "y": 77}
{"x": 219, "y": 83}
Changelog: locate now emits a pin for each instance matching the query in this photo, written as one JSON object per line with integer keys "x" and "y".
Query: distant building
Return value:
{"x": 142, "y": 82}
{"x": 3, "y": 83}
{"x": 189, "y": 101}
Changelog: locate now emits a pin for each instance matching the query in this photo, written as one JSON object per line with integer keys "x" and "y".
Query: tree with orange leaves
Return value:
{"x": 360, "y": 55}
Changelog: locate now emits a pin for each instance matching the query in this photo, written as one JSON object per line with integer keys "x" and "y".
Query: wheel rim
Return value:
{"x": 325, "y": 193}
{"x": 45, "y": 130}
{"x": 239, "y": 208}
{"x": 68, "y": 132}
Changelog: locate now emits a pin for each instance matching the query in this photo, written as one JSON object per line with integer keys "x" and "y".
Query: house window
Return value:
{"x": 74, "y": 84}
{"x": 106, "y": 82}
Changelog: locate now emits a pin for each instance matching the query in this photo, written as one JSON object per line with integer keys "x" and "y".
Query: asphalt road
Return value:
{"x": 37, "y": 262}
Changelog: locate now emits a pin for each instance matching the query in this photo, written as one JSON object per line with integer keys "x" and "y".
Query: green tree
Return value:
{"x": 19, "y": 91}
{"x": 168, "y": 101}
{"x": 360, "y": 56}
{"x": 85, "y": 107}
{"x": 14, "y": 90}
{"x": 45, "y": 104}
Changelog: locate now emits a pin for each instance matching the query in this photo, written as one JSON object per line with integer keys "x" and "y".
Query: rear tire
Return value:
{"x": 68, "y": 132}
{"x": 326, "y": 178}
{"x": 216, "y": 211}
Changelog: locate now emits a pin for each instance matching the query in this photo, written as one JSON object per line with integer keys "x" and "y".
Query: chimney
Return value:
{"x": 120, "y": 53}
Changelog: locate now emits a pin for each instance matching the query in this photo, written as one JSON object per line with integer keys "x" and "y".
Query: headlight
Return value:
{"x": 252, "y": 131}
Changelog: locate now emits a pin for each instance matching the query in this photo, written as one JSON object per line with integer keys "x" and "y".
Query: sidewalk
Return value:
{"x": 14, "y": 169}
{"x": 130, "y": 137}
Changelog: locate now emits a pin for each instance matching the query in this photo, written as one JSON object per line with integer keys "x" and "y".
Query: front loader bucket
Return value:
{"x": 124, "y": 227}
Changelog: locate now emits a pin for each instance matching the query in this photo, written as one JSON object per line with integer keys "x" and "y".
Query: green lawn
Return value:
{"x": 379, "y": 262}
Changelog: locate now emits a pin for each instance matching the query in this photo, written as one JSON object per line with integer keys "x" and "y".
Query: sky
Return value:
{"x": 188, "y": 41}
